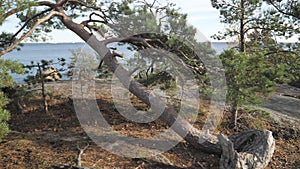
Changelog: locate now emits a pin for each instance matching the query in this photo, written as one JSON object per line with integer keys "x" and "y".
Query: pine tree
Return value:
{"x": 6, "y": 67}
{"x": 256, "y": 25}
{"x": 247, "y": 79}
{"x": 45, "y": 71}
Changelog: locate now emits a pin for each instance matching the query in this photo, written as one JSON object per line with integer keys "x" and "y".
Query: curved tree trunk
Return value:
{"x": 169, "y": 115}
{"x": 200, "y": 140}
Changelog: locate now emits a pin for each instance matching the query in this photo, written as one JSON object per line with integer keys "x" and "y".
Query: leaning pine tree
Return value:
{"x": 102, "y": 16}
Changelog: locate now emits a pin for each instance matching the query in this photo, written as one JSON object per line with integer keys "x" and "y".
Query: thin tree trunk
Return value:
{"x": 19, "y": 106}
{"x": 242, "y": 31}
{"x": 43, "y": 89}
{"x": 234, "y": 114}
{"x": 80, "y": 152}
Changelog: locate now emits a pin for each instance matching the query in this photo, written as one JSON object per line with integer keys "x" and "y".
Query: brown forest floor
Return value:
{"x": 40, "y": 140}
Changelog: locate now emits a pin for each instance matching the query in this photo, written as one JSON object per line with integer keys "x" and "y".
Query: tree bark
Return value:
{"x": 251, "y": 150}
{"x": 200, "y": 140}
{"x": 44, "y": 95}
{"x": 242, "y": 29}
{"x": 28, "y": 33}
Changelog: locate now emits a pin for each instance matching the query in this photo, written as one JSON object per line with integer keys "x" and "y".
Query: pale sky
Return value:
{"x": 200, "y": 14}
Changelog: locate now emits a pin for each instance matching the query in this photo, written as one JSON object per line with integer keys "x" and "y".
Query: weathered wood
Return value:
{"x": 80, "y": 152}
{"x": 247, "y": 150}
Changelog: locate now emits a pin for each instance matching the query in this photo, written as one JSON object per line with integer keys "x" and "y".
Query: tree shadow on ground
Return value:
{"x": 40, "y": 140}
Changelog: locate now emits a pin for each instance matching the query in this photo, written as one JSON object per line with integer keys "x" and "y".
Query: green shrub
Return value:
{"x": 4, "y": 117}
{"x": 247, "y": 80}
{"x": 6, "y": 67}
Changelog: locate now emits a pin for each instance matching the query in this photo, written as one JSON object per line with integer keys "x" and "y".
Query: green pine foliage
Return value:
{"x": 256, "y": 26}
{"x": 246, "y": 77}
{"x": 6, "y": 67}
{"x": 262, "y": 61}
{"x": 243, "y": 18}
{"x": 43, "y": 65}
{"x": 4, "y": 116}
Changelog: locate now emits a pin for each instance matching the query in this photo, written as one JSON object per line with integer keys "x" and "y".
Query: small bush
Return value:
{"x": 4, "y": 117}
{"x": 6, "y": 67}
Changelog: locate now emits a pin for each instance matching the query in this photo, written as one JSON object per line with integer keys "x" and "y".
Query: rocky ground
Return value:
{"x": 284, "y": 105}
{"x": 40, "y": 140}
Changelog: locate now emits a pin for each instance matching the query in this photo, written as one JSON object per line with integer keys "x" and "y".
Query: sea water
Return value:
{"x": 51, "y": 51}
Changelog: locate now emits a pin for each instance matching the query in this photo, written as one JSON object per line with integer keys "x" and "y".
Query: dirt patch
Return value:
{"x": 42, "y": 140}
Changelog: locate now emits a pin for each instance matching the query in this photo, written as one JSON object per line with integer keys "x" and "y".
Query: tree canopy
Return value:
{"x": 273, "y": 19}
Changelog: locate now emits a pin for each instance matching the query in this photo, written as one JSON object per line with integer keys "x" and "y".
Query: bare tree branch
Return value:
{"x": 27, "y": 22}
{"x": 16, "y": 10}
{"x": 282, "y": 11}
{"x": 281, "y": 51}
{"x": 39, "y": 21}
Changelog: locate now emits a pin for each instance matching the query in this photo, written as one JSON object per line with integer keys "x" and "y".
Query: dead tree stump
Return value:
{"x": 247, "y": 150}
